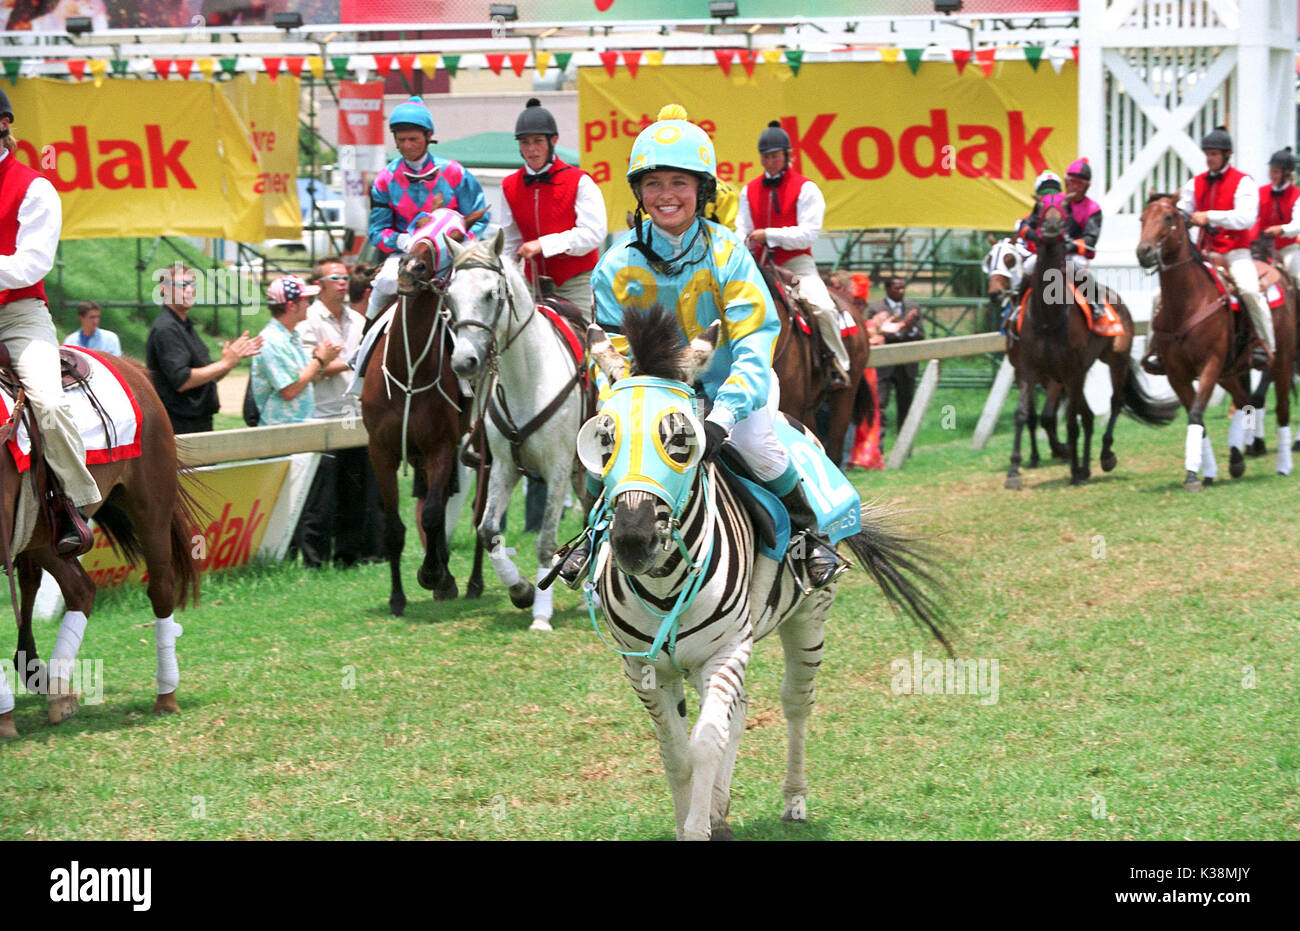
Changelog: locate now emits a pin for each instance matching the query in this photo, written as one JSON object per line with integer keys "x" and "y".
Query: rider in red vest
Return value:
{"x": 1224, "y": 202}
{"x": 31, "y": 218}
{"x": 554, "y": 216}
{"x": 784, "y": 211}
{"x": 1277, "y": 214}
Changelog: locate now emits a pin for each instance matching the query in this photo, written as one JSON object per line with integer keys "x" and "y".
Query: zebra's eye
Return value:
{"x": 606, "y": 431}
{"x": 597, "y": 442}
{"x": 677, "y": 437}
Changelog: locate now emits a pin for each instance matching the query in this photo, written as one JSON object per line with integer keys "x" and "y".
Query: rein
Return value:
{"x": 441, "y": 318}
{"x": 1206, "y": 312}
{"x": 8, "y": 430}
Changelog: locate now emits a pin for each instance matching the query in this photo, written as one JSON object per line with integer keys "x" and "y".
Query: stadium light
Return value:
{"x": 721, "y": 9}
{"x": 947, "y": 6}
{"x": 506, "y": 12}
{"x": 78, "y": 25}
{"x": 287, "y": 21}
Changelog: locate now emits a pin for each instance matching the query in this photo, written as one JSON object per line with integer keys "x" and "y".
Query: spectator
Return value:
{"x": 898, "y": 322}
{"x": 333, "y": 522}
{"x": 178, "y": 360}
{"x": 284, "y": 371}
{"x": 91, "y": 335}
{"x": 359, "y": 288}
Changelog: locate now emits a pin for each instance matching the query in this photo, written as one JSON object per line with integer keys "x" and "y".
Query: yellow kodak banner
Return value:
{"x": 159, "y": 158}
{"x": 887, "y": 147}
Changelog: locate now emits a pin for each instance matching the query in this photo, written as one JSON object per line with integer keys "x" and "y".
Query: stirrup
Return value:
{"x": 819, "y": 565}
{"x": 570, "y": 562}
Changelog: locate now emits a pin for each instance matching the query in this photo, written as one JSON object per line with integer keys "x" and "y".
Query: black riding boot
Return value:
{"x": 72, "y": 534}
{"x": 821, "y": 565}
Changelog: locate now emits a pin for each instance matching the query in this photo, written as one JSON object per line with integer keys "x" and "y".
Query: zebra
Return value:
{"x": 683, "y": 590}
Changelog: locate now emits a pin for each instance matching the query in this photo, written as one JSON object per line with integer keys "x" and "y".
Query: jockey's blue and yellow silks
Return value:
{"x": 400, "y": 194}
{"x": 716, "y": 278}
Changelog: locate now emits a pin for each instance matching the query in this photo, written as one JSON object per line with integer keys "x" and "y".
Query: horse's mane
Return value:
{"x": 480, "y": 250}
{"x": 655, "y": 343}
{"x": 1154, "y": 196}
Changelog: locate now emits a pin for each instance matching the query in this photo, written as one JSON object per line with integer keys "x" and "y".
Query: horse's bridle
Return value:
{"x": 1192, "y": 252}
{"x": 505, "y": 299}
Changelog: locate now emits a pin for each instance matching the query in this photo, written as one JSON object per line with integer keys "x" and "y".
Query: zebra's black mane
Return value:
{"x": 655, "y": 342}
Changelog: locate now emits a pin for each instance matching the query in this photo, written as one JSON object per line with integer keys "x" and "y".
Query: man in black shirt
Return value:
{"x": 900, "y": 322}
{"x": 179, "y": 362}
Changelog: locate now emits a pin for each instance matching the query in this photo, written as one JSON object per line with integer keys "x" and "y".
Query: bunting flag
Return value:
{"x": 451, "y": 63}
{"x": 97, "y": 71}
{"x": 960, "y": 57}
{"x": 631, "y": 61}
{"x": 914, "y": 58}
{"x": 77, "y": 68}
{"x": 294, "y": 65}
{"x": 1034, "y": 55}
{"x": 562, "y": 60}
{"x": 383, "y": 65}
{"x": 340, "y": 66}
{"x": 183, "y": 67}
{"x": 542, "y": 62}
{"x": 794, "y": 58}
{"x": 272, "y": 67}
{"x": 163, "y": 66}
{"x": 724, "y": 56}
{"x": 206, "y": 67}
{"x": 362, "y": 73}
{"x": 610, "y": 61}
{"x": 771, "y": 56}
{"x": 316, "y": 65}
{"x": 747, "y": 61}
{"x": 406, "y": 65}
{"x": 518, "y": 61}
{"x": 119, "y": 65}
{"x": 495, "y": 60}
{"x": 654, "y": 59}
{"x": 429, "y": 65}
{"x": 1074, "y": 50}
{"x": 1057, "y": 61}
{"x": 986, "y": 57}
{"x": 890, "y": 55}
{"x": 12, "y": 67}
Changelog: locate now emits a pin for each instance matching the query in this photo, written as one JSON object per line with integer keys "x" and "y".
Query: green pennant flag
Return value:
{"x": 228, "y": 65}
{"x": 794, "y": 58}
{"x": 914, "y": 57}
{"x": 119, "y": 67}
{"x": 12, "y": 66}
{"x": 451, "y": 63}
{"x": 1034, "y": 55}
{"x": 562, "y": 60}
{"x": 340, "y": 66}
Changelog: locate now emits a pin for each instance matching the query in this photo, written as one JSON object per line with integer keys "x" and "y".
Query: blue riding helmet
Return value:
{"x": 672, "y": 142}
{"x": 411, "y": 113}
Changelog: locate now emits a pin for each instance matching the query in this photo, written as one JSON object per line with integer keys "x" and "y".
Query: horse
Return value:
{"x": 1199, "y": 338}
{"x": 689, "y": 547}
{"x": 530, "y": 381}
{"x": 1057, "y": 344}
{"x": 804, "y": 378}
{"x": 146, "y": 514}
{"x": 1004, "y": 266}
{"x": 412, "y": 410}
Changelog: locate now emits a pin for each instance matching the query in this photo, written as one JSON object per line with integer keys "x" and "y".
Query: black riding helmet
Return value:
{"x": 1217, "y": 138}
{"x": 5, "y": 108}
{"x": 1284, "y": 159}
{"x": 536, "y": 120}
{"x": 773, "y": 139}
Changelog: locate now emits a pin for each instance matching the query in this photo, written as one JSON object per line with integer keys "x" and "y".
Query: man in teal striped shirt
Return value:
{"x": 284, "y": 371}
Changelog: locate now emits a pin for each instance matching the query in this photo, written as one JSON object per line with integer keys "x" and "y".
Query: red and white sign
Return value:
{"x": 361, "y": 113}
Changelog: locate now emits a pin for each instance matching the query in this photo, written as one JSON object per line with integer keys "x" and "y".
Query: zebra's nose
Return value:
{"x": 634, "y": 535}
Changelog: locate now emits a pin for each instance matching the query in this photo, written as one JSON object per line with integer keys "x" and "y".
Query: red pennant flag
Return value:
{"x": 1074, "y": 50}
{"x": 272, "y": 67}
{"x": 77, "y": 69}
{"x": 294, "y": 66}
{"x": 960, "y": 57}
{"x": 184, "y": 66}
{"x": 610, "y": 61}
{"x": 518, "y": 61}
{"x": 747, "y": 59}
{"x": 986, "y": 58}
{"x": 163, "y": 66}
{"x": 632, "y": 60}
{"x": 495, "y": 61}
{"x": 406, "y": 64}
{"x": 383, "y": 65}
{"x": 724, "y": 56}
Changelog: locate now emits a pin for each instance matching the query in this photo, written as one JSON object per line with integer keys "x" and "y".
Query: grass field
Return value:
{"x": 1146, "y": 642}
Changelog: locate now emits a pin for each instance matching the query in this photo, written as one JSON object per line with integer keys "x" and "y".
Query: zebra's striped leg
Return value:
{"x": 666, "y": 703}
{"x": 721, "y": 682}
{"x": 719, "y": 829}
{"x": 802, "y": 644}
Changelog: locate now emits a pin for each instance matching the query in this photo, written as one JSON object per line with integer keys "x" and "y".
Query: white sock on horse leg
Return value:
{"x": 1237, "y": 429}
{"x": 1209, "y": 467}
{"x": 542, "y": 604}
{"x": 6, "y": 695}
{"x": 165, "y": 632}
{"x": 1192, "y": 449}
{"x": 1284, "y": 450}
{"x": 1257, "y": 421}
{"x": 503, "y": 565}
{"x": 66, "y": 645}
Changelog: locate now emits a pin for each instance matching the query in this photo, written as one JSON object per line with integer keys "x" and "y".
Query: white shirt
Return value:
{"x": 809, "y": 212}
{"x": 321, "y": 326}
{"x": 587, "y": 234}
{"x": 1245, "y": 205}
{"x": 40, "y": 220}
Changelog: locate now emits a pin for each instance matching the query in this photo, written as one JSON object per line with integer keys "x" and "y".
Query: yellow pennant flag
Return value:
{"x": 206, "y": 66}
{"x": 889, "y": 55}
{"x": 429, "y": 65}
{"x": 654, "y": 59}
{"x": 97, "y": 71}
{"x": 316, "y": 65}
{"x": 772, "y": 56}
{"x": 543, "y": 61}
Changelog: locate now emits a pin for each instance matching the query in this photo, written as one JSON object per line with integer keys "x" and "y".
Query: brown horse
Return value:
{"x": 146, "y": 514}
{"x": 1199, "y": 339}
{"x": 413, "y": 412}
{"x": 799, "y": 368}
{"x": 1057, "y": 345}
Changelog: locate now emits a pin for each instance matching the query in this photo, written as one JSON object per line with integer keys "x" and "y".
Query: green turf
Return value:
{"x": 1146, "y": 641}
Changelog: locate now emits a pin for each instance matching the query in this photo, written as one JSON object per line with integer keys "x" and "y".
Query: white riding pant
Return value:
{"x": 1242, "y": 268}
{"x": 1290, "y": 257}
{"x": 578, "y": 290}
{"x": 755, "y": 437}
{"x": 813, "y": 290}
{"x": 384, "y": 285}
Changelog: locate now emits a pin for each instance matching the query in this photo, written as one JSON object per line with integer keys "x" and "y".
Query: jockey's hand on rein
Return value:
{"x": 714, "y": 436}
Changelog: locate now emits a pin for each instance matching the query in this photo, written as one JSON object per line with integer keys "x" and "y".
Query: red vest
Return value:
{"x": 1220, "y": 196}
{"x": 784, "y": 213}
{"x": 549, "y": 207}
{"x": 1276, "y": 211}
{"x": 15, "y": 179}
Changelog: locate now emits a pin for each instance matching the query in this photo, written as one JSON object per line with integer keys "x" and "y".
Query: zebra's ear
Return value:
{"x": 603, "y": 353}
{"x": 699, "y": 353}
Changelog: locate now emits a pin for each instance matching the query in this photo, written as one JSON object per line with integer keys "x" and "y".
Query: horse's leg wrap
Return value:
{"x": 1192, "y": 450}
{"x": 66, "y": 646}
{"x": 542, "y": 605}
{"x": 1257, "y": 423}
{"x": 6, "y": 694}
{"x": 502, "y": 564}
{"x": 1284, "y": 450}
{"x": 1209, "y": 467}
{"x": 1237, "y": 429}
{"x": 165, "y": 632}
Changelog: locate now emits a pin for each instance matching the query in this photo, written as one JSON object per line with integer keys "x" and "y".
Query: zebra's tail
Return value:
{"x": 904, "y": 566}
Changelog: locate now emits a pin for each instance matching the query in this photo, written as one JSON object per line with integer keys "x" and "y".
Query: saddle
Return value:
{"x": 1270, "y": 277}
{"x": 73, "y": 367}
{"x": 784, "y": 287}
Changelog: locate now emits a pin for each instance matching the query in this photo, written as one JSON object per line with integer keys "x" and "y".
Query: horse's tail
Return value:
{"x": 1140, "y": 405}
{"x": 864, "y": 408}
{"x": 903, "y": 565}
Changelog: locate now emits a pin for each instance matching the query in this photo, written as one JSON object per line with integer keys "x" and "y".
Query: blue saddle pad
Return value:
{"x": 833, "y": 499}
{"x": 759, "y": 496}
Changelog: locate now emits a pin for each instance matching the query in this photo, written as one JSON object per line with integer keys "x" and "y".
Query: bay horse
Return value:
{"x": 796, "y": 359}
{"x": 413, "y": 412}
{"x": 146, "y": 514}
{"x": 1057, "y": 344}
{"x": 1200, "y": 339}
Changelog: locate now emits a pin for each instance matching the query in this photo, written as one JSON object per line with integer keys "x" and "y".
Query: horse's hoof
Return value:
{"x": 722, "y": 832}
{"x": 166, "y": 704}
{"x": 521, "y": 594}
{"x": 541, "y": 623}
{"x": 1012, "y": 483}
{"x": 396, "y": 608}
{"x": 1191, "y": 482}
{"x": 1033, "y": 462}
{"x": 1108, "y": 462}
{"x": 61, "y": 702}
{"x": 1207, "y": 482}
{"x": 447, "y": 591}
{"x": 1236, "y": 464}
{"x": 1257, "y": 448}
{"x": 474, "y": 589}
{"x": 427, "y": 578}
{"x": 1060, "y": 452}
{"x": 7, "y": 728}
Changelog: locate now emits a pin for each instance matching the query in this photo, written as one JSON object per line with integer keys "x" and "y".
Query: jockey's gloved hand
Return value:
{"x": 715, "y": 434}
{"x": 404, "y": 242}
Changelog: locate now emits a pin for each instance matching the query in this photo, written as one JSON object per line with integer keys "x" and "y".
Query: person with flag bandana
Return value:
{"x": 415, "y": 182}
{"x": 791, "y": 210}
{"x": 1277, "y": 214}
